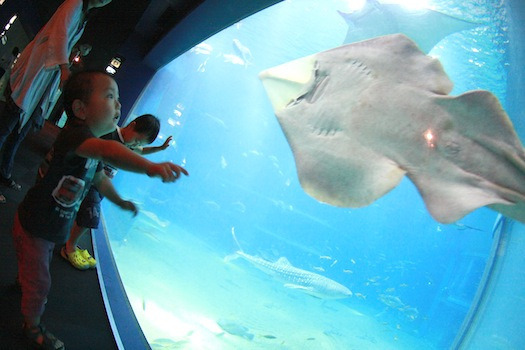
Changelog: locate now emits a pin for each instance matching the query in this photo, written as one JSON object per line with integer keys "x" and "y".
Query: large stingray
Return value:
{"x": 361, "y": 116}
{"x": 426, "y": 27}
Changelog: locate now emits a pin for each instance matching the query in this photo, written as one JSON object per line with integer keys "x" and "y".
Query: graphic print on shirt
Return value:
{"x": 70, "y": 189}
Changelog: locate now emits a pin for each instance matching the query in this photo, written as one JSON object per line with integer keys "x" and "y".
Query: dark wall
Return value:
{"x": 26, "y": 10}
{"x": 209, "y": 18}
{"x": 133, "y": 76}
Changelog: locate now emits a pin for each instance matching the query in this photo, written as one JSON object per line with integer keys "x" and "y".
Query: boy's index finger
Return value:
{"x": 178, "y": 169}
{"x": 185, "y": 172}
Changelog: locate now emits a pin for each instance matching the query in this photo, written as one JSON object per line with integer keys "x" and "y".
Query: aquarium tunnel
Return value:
{"x": 260, "y": 247}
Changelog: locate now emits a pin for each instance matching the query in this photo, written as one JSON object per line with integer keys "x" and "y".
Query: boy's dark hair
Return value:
{"x": 149, "y": 125}
{"x": 79, "y": 86}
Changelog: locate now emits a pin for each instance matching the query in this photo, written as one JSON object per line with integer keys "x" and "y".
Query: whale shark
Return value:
{"x": 295, "y": 278}
{"x": 426, "y": 27}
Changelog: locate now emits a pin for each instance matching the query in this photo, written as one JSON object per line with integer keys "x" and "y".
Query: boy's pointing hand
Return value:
{"x": 169, "y": 172}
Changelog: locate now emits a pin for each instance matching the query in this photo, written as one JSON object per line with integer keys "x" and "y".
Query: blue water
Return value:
{"x": 412, "y": 278}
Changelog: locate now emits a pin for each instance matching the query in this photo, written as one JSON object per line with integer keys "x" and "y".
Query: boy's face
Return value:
{"x": 102, "y": 111}
{"x": 137, "y": 139}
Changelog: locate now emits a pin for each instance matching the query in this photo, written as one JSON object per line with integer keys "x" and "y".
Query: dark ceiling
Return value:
{"x": 147, "y": 33}
{"x": 145, "y": 21}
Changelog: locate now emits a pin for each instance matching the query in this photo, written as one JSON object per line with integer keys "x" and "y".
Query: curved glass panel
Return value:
{"x": 225, "y": 258}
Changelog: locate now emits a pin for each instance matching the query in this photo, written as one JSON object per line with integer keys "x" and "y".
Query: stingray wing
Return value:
{"x": 426, "y": 27}
{"x": 360, "y": 116}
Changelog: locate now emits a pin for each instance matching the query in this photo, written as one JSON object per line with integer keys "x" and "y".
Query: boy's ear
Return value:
{"x": 78, "y": 109}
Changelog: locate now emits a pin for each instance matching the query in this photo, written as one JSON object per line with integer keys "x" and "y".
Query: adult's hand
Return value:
{"x": 64, "y": 75}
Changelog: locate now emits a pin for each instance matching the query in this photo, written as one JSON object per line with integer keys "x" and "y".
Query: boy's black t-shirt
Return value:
{"x": 49, "y": 207}
{"x": 110, "y": 170}
{"x": 116, "y": 135}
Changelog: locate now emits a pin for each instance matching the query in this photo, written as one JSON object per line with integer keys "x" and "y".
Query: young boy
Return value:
{"x": 141, "y": 131}
{"x": 46, "y": 214}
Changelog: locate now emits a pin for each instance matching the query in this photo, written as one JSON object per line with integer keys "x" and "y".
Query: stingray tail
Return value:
{"x": 236, "y": 254}
{"x": 235, "y": 239}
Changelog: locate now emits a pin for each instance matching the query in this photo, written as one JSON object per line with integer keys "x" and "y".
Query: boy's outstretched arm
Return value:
{"x": 155, "y": 149}
{"x": 121, "y": 157}
{"x": 106, "y": 188}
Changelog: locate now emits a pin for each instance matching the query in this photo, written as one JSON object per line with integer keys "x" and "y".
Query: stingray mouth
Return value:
{"x": 314, "y": 89}
{"x": 289, "y": 82}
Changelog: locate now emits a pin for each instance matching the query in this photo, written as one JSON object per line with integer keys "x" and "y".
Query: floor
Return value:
{"x": 75, "y": 311}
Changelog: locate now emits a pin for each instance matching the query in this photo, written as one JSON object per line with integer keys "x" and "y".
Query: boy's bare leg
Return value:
{"x": 76, "y": 233}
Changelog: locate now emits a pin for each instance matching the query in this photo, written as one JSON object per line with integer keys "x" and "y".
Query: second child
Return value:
{"x": 141, "y": 131}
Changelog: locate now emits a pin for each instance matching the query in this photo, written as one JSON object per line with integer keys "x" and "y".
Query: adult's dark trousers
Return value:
{"x": 10, "y": 138}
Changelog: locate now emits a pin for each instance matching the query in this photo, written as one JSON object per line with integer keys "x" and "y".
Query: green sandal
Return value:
{"x": 48, "y": 342}
{"x": 85, "y": 254}
{"x": 75, "y": 259}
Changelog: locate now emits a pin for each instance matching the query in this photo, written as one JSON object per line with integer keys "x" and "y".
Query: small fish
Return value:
{"x": 412, "y": 313}
{"x": 462, "y": 227}
{"x": 239, "y": 206}
{"x": 391, "y": 300}
{"x": 373, "y": 279}
{"x": 234, "y": 59}
{"x": 212, "y": 204}
{"x": 269, "y": 336}
{"x": 243, "y": 51}
{"x": 360, "y": 295}
{"x": 235, "y": 328}
{"x": 203, "y": 49}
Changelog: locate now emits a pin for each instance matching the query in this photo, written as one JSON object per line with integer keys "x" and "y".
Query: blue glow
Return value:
{"x": 412, "y": 279}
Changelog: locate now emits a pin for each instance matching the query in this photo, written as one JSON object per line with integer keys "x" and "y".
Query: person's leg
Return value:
{"x": 8, "y": 120}
{"x": 11, "y": 145}
{"x": 76, "y": 233}
{"x": 70, "y": 252}
{"x": 88, "y": 217}
{"x": 78, "y": 257}
{"x": 34, "y": 256}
